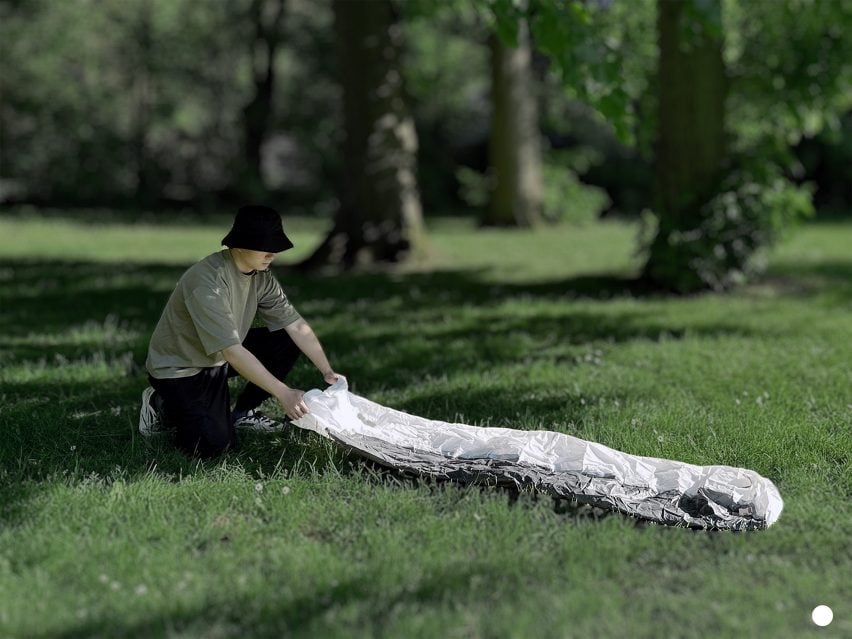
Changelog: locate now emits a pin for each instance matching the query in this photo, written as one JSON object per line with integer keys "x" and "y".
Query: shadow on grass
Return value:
{"x": 57, "y": 423}
{"x": 832, "y": 278}
{"x": 58, "y": 311}
{"x": 298, "y": 615}
{"x": 53, "y": 294}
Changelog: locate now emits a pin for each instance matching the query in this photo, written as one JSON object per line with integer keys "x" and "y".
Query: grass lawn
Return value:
{"x": 106, "y": 534}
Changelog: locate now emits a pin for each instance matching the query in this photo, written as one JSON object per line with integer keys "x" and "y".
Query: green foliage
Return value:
{"x": 589, "y": 60}
{"x": 752, "y": 208}
{"x": 790, "y": 64}
{"x": 590, "y": 45}
{"x": 446, "y": 68}
{"x": 566, "y": 198}
{"x": 109, "y": 100}
{"x": 102, "y": 100}
{"x": 303, "y": 150}
{"x": 474, "y": 187}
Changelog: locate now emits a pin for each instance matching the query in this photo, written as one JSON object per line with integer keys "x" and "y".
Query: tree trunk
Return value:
{"x": 514, "y": 150}
{"x": 691, "y": 136}
{"x": 266, "y": 21}
{"x": 380, "y": 217}
{"x": 143, "y": 97}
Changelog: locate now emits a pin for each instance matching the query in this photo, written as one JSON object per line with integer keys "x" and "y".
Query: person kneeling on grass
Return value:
{"x": 204, "y": 336}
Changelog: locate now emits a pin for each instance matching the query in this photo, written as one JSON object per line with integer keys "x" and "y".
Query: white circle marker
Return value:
{"x": 822, "y": 615}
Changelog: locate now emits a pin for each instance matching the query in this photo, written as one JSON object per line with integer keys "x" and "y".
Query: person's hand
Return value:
{"x": 293, "y": 403}
{"x": 330, "y": 377}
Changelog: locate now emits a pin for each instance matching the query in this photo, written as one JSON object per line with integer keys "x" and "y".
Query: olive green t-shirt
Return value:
{"x": 213, "y": 307}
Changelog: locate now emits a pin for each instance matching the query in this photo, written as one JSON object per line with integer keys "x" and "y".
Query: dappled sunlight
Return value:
{"x": 567, "y": 343}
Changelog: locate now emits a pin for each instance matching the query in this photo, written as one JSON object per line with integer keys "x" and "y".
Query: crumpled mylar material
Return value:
{"x": 661, "y": 490}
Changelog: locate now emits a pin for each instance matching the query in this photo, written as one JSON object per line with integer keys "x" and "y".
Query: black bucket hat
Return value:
{"x": 257, "y": 228}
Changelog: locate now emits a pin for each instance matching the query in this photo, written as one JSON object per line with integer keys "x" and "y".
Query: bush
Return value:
{"x": 474, "y": 187}
{"x": 567, "y": 199}
{"x": 754, "y": 205}
{"x": 564, "y": 199}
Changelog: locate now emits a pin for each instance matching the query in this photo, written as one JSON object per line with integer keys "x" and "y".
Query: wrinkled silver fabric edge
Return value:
{"x": 671, "y": 508}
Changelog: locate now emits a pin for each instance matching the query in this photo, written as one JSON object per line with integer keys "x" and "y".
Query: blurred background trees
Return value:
{"x": 719, "y": 122}
{"x": 725, "y": 168}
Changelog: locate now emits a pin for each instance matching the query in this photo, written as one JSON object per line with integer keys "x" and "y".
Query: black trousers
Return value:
{"x": 198, "y": 409}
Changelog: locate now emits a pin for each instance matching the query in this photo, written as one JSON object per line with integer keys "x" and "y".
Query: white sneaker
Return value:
{"x": 257, "y": 421}
{"x": 149, "y": 419}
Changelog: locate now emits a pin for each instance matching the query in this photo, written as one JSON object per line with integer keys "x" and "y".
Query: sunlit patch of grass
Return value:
{"x": 96, "y": 368}
{"x": 110, "y": 332}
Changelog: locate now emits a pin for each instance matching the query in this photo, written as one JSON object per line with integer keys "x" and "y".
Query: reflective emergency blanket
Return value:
{"x": 661, "y": 490}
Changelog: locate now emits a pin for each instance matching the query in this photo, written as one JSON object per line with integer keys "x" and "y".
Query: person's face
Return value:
{"x": 256, "y": 260}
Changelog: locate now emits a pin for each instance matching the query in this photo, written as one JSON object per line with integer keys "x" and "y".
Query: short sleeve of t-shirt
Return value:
{"x": 273, "y": 307}
{"x": 213, "y": 319}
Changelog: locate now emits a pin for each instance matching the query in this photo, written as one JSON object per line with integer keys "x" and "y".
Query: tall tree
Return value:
{"x": 691, "y": 135}
{"x": 143, "y": 91}
{"x": 266, "y": 17}
{"x": 380, "y": 217}
{"x": 515, "y": 149}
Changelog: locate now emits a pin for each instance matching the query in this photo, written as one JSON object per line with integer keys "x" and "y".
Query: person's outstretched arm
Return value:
{"x": 247, "y": 365}
{"x": 304, "y": 337}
